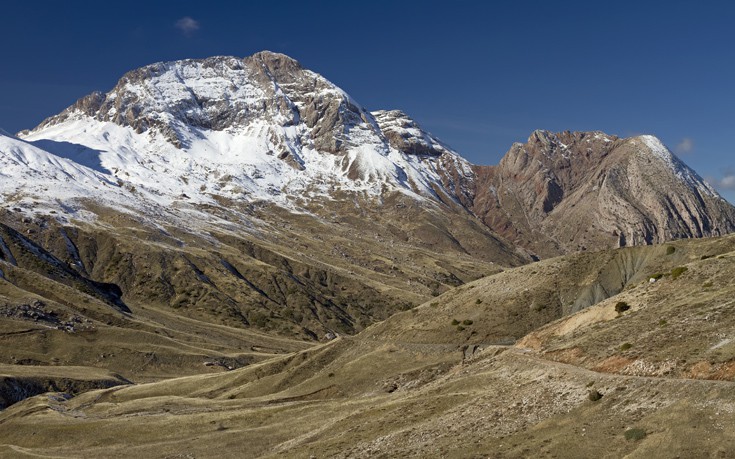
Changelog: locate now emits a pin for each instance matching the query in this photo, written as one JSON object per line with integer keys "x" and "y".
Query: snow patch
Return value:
{"x": 677, "y": 167}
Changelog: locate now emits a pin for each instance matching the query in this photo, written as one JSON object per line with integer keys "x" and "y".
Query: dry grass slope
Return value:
{"x": 418, "y": 386}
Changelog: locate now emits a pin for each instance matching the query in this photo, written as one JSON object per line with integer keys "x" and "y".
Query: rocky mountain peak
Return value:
{"x": 177, "y": 99}
{"x": 569, "y": 191}
{"x": 280, "y": 67}
{"x": 267, "y": 124}
{"x": 405, "y": 134}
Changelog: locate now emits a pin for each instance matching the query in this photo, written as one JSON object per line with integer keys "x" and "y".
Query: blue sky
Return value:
{"x": 479, "y": 75}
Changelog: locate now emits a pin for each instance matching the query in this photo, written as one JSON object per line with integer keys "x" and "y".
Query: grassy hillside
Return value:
{"x": 535, "y": 373}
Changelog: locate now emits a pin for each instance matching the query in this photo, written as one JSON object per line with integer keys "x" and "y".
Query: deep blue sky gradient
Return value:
{"x": 479, "y": 75}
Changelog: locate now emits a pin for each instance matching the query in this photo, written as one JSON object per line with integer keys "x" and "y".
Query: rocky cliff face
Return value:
{"x": 226, "y": 93}
{"x": 570, "y": 191}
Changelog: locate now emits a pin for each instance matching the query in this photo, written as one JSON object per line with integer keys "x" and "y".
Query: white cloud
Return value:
{"x": 727, "y": 182}
{"x": 187, "y": 25}
{"x": 685, "y": 146}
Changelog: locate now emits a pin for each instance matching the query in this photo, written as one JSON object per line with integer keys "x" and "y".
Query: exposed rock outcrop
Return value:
{"x": 570, "y": 191}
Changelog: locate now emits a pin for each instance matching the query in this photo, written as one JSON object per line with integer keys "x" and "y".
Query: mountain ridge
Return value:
{"x": 291, "y": 132}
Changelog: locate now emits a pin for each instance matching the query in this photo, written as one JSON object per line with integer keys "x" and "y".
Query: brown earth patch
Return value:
{"x": 572, "y": 355}
{"x": 720, "y": 371}
{"x": 613, "y": 364}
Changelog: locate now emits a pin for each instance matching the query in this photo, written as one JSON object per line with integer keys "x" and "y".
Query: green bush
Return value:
{"x": 635, "y": 434}
{"x": 678, "y": 271}
{"x": 625, "y": 346}
{"x": 594, "y": 395}
{"x": 455, "y": 322}
{"x": 657, "y": 276}
{"x": 670, "y": 250}
{"x": 478, "y": 301}
{"x": 460, "y": 328}
{"x": 621, "y": 307}
{"x": 467, "y": 322}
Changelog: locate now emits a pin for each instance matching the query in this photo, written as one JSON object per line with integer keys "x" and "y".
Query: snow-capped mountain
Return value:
{"x": 259, "y": 128}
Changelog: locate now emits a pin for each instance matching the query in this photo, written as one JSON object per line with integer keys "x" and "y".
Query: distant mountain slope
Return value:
{"x": 570, "y": 191}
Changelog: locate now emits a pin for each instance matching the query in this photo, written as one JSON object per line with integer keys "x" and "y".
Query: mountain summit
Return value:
{"x": 264, "y": 122}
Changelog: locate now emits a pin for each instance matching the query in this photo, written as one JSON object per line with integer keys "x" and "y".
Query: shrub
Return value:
{"x": 635, "y": 434}
{"x": 467, "y": 322}
{"x": 678, "y": 271}
{"x": 662, "y": 323}
{"x": 594, "y": 395}
{"x": 670, "y": 250}
{"x": 621, "y": 307}
{"x": 478, "y": 301}
{"x": 455, "y": 322}
{"x": 460, "y": 328}
{"x": 707, "y": 284}
{"x": 657, "y": 276}
{"x": 625, "y": 346}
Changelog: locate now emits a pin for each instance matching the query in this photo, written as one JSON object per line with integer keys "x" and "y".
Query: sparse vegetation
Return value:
{"x": 455, "y": 322}
{"x": 635, "y": 434}
{"x": 467, "y": 322}
{"x": 656, "y": 276}
{"x": 460, "y": 328}
{"x": 670, "y": 250}
{"x": 707, "y": 284}
{"x": 621, "y": 307}
{"x": 678, "y": 271}
{"x": 625, "y": 346}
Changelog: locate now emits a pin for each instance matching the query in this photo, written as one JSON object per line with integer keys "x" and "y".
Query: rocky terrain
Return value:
{"x": 570, "y": 191}
{"x": 245, "y": 260}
